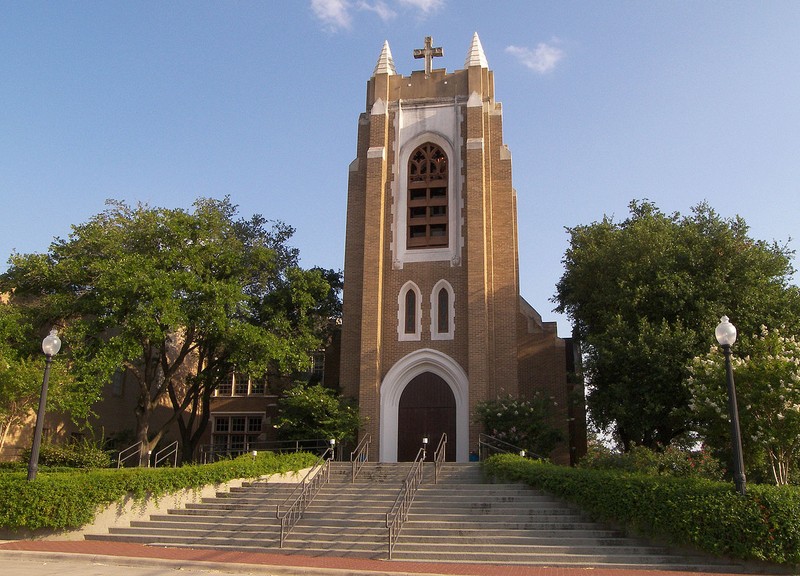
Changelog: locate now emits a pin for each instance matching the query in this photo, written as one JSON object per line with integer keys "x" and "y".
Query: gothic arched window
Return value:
{"x": 442, "y": 311}
{"x": 427, "y": 197}
{"x": 410, "y": 325}
{"x": 409, "y": 312}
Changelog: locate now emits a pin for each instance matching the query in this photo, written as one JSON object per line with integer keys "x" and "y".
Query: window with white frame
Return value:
{"x": 442, "y": 311}
{"x": 240, "y": 384}
{"x": 235, "y": 434}
{"x": 409, "y": 312}
{"x": 318, "y": 366}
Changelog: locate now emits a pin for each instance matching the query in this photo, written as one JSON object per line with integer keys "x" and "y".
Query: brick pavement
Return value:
{"x": 292, "y": 564}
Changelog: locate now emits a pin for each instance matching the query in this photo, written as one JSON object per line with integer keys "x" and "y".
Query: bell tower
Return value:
{"x": 431, "y": 295}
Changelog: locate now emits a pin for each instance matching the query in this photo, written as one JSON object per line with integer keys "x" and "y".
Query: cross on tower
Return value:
{"x": 429, "y": 53}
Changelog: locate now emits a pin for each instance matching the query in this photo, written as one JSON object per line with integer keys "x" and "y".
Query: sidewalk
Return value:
{"x": 96, "y": 558}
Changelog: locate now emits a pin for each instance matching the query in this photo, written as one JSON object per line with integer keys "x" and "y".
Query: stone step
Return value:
{"x": 567, "y": 531}
{"x": 459, "y": 519}
{"x": 379, "y": 553}
{"x": 592, "y": 561}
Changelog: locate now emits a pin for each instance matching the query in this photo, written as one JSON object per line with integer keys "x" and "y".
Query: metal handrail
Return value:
{"x": 439, "y": 457}
{"x": 398, "y": 514}
{"x": 488, "y": 443}
{"x": 171, "y": 450}
{"x": 211, "y": 452}
{"x": 317, "y": 477}
{"x": 129, "y": 452}
{"x": 360, "y": 455}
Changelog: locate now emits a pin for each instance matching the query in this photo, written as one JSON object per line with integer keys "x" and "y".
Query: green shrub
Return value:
{"x": 764, "y": 525}
{"x": 314, "y": 411}
{"x": 524, "y": 423}
{"x": 78, "y": 454}
{"x": 671, "y": 461}
{"x": 68, "y": 500}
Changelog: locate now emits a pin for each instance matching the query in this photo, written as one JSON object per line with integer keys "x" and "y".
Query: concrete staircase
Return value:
{"x": 459, "y": 519}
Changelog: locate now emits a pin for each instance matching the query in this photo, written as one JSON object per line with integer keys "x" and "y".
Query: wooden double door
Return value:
{"x": 427, "y": 409}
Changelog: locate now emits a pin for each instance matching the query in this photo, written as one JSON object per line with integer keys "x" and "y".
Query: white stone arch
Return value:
{"x": 402, "y": 335}
{"x": 452, "y": 252}
{"x": 396, "y": 380}
{"x": 451, "y": 311}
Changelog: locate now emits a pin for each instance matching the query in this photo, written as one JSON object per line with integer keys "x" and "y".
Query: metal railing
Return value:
{"x": 129, "y": 453}
{"x": 317, "y": 477}
{"x": 439, "y": 457}
{"x": 211, "y": 453}
{"x": 164, "y": 453}
{"x": 360, "y": 455}
{"x": 398, "y": 514}
{"x": 489, "y": 445}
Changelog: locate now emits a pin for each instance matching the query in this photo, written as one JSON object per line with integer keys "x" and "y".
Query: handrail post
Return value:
{"x": 398, "y": 513}
{"x": 314, "y": 480}
{"x": 359, "y": 456}
{"x": 439, "y": 457}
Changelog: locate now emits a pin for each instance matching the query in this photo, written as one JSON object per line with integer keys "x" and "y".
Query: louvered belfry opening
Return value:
{"x": 427, "y": 197}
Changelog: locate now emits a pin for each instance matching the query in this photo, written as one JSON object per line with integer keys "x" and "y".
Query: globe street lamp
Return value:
{"x": 50, "y": 346}
{"x": 726, "y": 336}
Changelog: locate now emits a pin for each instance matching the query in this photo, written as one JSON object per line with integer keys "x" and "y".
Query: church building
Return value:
{"x": 433, "y": 321}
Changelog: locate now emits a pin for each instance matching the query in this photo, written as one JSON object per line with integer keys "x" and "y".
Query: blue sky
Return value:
{"x": 604, "y": 102}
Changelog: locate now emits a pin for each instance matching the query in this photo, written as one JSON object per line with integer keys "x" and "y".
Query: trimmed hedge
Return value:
{"x": 69, "y": 500}
{"x": 712, "y": 516}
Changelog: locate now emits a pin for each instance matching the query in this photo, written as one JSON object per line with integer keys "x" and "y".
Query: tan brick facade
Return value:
{"x": 497, "y": 345}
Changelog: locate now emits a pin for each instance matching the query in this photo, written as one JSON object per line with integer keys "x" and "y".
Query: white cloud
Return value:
{"x": 334, "y": 14}
{"x": 542, "y": 59}
{"x": 337, "y": 14}
{"x": 424, "y": 6}
{"x": 380, "y": 8}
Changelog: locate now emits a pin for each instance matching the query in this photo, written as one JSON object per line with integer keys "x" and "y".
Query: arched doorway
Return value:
{"x": 394, "y": 384}
{"x": 427, "y": 409}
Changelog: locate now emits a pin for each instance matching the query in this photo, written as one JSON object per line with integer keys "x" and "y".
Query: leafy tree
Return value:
{"x": 310, "y": 412}
{"x": 521, "y": 422}
{"x": 21, "y": 371}
{"x": 768, "y": 394}
{"x": 672, "y": 461}
{"x": 644, "y": 296}
{"x": 178, "y": 299}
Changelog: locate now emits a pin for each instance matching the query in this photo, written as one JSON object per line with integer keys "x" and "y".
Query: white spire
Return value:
{"x": 385, "y": 63}
{"x": 475, "y": 56}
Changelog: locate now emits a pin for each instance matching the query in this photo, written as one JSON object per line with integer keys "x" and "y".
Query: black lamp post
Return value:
{"x": 726, "y": 336}
{"x": 50, "y": 346}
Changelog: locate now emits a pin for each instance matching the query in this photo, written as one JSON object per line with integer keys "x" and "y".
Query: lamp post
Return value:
{"x": 726, "y": 336}
{"x": 50, "y": 346}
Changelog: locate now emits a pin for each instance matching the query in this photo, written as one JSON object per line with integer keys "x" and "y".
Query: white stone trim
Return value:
{"x": 377, "y": 152}
{"x": 402, "y": 335}
{"x": 417, "y": 124}
{"x": 474, "y": 143}
{"x": 396, "y": 380}
{"x": 451, "y": 311}
{"x": 475, "y": 100}
{"x": 378, "y": 108}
